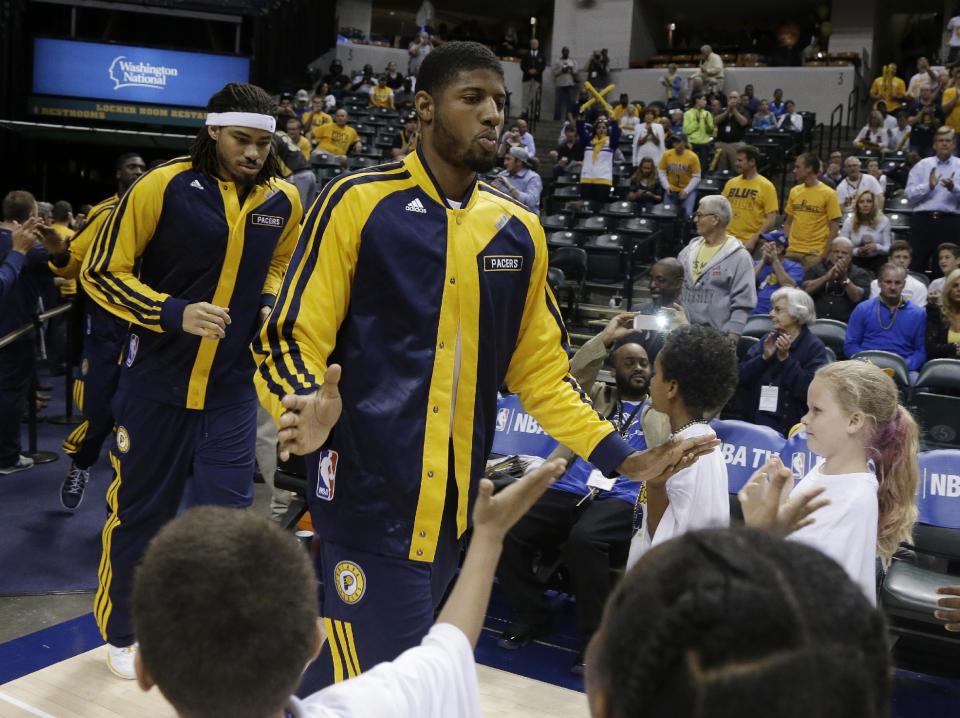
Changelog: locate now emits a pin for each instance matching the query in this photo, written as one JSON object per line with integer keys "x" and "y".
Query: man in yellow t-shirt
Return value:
{"x": 888, "y": 88}
{"x": 680, "y": 174}
{"x": 381, "y": 95}
{"x": 753, "y": 198}
{"x": 338, "y": 138}
{"x": 813, "y": 214}
{"x": 949, "y": 104}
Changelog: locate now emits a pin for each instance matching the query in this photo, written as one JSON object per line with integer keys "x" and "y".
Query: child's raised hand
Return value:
{"x": 767, "y": 505}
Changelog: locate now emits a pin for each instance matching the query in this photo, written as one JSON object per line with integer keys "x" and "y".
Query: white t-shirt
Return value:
{"x": 846, "y": 530}
{"x": 648, "y": 149}
{"x": 913, "y": 291}
{"x": 437, "y": 679}
{"x": 847, "y": 191}
{"x": 922, "y": 79}
{"x": 699, "y": 499}
{"x": 936, "y": 286}
{"x": 953, "y": 27}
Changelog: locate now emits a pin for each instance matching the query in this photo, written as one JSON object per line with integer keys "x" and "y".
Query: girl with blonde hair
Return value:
{"x": 868, "y": 443}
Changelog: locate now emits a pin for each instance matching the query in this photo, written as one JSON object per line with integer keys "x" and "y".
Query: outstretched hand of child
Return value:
{"x": 495, "y": 515}
{"x": 768, "y": 505}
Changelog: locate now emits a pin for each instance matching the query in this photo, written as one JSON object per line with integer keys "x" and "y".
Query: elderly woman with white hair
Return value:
{"x": 776, "y": 372}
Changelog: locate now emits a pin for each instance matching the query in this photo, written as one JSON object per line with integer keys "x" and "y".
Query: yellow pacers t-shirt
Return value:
{"x": 335, "y": 139}
{"x": 679, "y": 168}
{"x": 752, "y": 200}
{"x": 703, "y": 257}
{"x": 953, "y": 119}
{"x": 381, "y": 96}
{"x": 811, "y": 208}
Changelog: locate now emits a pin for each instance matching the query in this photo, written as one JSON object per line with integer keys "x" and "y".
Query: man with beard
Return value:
{"x": 589, "y": 518}
{"x": 192, "y": 257}
{"x": 103, "y": 336}
{"x": 427, "y": 288}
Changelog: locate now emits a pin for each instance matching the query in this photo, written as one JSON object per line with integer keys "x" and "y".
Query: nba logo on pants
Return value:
{"x": 326, "y": 474}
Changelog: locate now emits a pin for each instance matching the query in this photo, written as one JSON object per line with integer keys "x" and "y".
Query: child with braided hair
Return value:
{"x": 735, "y": 622}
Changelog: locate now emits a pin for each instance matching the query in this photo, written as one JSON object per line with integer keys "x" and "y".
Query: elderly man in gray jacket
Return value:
{"x": 719, "y": 289}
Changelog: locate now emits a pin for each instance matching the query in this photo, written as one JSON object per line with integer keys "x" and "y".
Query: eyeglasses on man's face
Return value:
{"x": 698, "y": 214}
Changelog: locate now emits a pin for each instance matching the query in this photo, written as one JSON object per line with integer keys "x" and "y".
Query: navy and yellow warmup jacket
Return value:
{"x": 384, "y": 279}
{"x": 99, "y": 325}
{"x": 177, "y": 237}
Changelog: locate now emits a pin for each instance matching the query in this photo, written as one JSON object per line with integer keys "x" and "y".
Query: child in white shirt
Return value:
{"x": 695, "y": 373}
{"x": 868, "y": 472}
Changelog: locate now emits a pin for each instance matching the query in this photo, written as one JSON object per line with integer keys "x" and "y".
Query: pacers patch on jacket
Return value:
{"x": 266, "y": 220}
{"x": 351, "y": 581}
{"x": 503, "y": 263}
{"x": 327, "y": 474}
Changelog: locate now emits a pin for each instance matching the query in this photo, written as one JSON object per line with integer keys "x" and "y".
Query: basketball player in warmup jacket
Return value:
{"x": 192, "y": 257}
{"x": 427, "y": 288}
{"x": 103, "y": 335}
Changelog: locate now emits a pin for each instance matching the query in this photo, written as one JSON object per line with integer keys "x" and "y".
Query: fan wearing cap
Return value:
{"x": 772, "y": 270}
{"x": 301, "y": 104}
{"x": 519, "y": 179}
{"x": 192, "y": 259}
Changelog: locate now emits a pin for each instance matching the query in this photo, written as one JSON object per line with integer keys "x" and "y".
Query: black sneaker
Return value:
{"x": 71, "y": 493}
{"x": 518, "y": 635}
{"x": 23, "y": 463}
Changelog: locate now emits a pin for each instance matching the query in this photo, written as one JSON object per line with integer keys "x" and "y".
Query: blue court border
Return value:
{"x": 43, "y": 648}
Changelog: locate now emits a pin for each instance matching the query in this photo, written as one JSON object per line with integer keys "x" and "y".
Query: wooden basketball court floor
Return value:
{"x": 82, "y": 687}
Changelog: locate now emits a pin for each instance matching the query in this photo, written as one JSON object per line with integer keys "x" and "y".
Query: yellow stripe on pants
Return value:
{"x": 102, "y": 606}
{"x": 334, "y": 652}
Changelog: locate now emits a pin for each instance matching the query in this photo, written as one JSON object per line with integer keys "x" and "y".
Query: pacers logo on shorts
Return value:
{"x": 351, "y": 581}
{"x": 123, "y": 440}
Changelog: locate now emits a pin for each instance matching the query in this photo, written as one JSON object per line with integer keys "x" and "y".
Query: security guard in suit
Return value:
{"x": 418, "y": 290}
{"x": 103, "y": 335}
{"x": 192, "y": 257}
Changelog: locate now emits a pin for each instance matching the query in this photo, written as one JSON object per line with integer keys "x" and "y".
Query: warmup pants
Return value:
{"x": 162, "y": 454}
{"x": 16, "y": 368}
{"x": 591, "y": 539}
{"x": 375, "y": 607}
{"x": 93, "y": 393}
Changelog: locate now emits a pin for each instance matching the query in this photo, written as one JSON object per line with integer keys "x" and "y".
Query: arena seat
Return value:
{"x": 518, "y": 433}
{"x": 832, "y": 333}
{"x": 746, "y": 447}
{"x": 888, "y": 360}
{"x": 620, "y": 209}
{"x": 908, "y": 594}
{"x": 936, "y": 402}
{"x": 557, "y": 222}
{"x": 743, "y": 345}
{"x": 758, "y": 325}
{"x": 572, "y": 261}
{"x": 565, "y": 238}
{"x": 593, "y": 225}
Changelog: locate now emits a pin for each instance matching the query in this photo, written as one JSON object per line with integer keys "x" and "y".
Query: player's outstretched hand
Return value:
{"x": 768, "y": 505}
{"x": 307, "y": 421}
{"x": 206, "y": 320}
{"x": 951, "y": 616}
{"x": 657, "y": 465}
{"x": 493, "y": 515}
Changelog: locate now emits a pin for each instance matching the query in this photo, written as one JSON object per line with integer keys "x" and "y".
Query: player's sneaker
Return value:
{"x": 120, "y": 661}
{"x": 71, "y": 492}
{"x": 23, "y": 463}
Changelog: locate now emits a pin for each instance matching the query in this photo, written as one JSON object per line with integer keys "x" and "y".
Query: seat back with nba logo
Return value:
{"x": 909, "y": 592}
{"x": 519, "y": 433}
{"x": 797, "y": 456}
{"x": 746, "y": 447}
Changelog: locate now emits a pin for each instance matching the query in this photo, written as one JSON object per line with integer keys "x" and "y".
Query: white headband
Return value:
{"x": 242, "y": 119}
